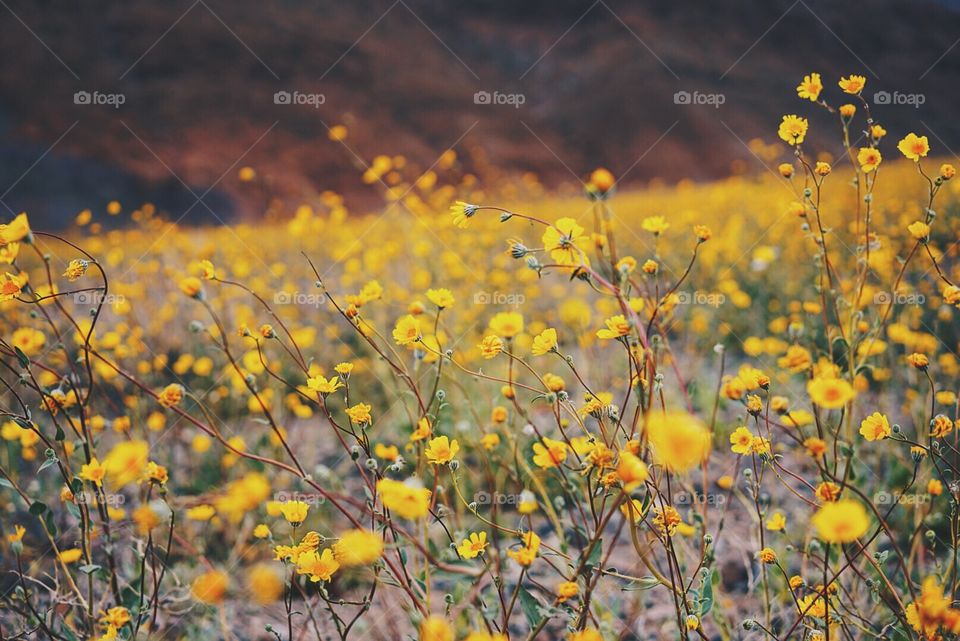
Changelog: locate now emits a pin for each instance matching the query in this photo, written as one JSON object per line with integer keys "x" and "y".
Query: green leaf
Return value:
{"x": 21, "y": 357}
{"x": 38, "y": 508}
{"x": 6, "y": 483}
{"x": 706, "y": 594}
{"x": 89, "y": 569}
{"x": 644, "y": 583}
{"x": 531, "y": 607}
{"x": 594, "y": 559}
{"x": 53, "y": 460}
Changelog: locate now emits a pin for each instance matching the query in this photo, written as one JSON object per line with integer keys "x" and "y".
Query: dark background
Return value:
{"x": 599, "y": 78}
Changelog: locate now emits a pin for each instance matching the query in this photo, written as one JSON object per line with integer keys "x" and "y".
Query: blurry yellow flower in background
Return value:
{"x": 841, "y": 521}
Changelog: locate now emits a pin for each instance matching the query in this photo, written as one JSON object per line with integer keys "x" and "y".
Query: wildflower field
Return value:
{"x": 487, "y": 412}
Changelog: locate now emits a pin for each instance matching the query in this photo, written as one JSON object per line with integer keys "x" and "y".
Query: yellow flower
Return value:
{"x": 793, "y": 129}
{"x": 526, "y": 555}
{"x": 875, "y": 427}
{"x": 507, "y": 324}
{"x": 940, "y": 426}
{"x": 587, "y": 634}
{"x": 914, "y": 147}
{"x": 76, "y": 269}
{"x": 631, "y": 471}
{"x": 16, "y": 230}
{"x": 441, "y": 450}
{"x": 155, "y": 473}
{"x": 295, "y": 512}
{"x": 869, "y": 158}
{"x": 126, "y": 461}
{"x": 192, "y": 287}
{"x": 462, "y": 212}
{"x": 679, "y": 440}
{"x": 359, "y": 414}
{"x": 561, "y": 238}
{"x": 633, "y": 510}
{"x": 741, "y": 440}
{"x": 358, "y": 547}
{"x": 171, "y": 395}
{"x": 853, "y": 84}
{"x": 406, "y": 500}
{"x": 545, "y": 341}
{"x": 841, "y": 521}
{"x": 667, "y": 519}
{"x": 407, "y": 330}
{"x": 262, "y": 531}
{"x": 323, "y": 386}
{"x": 473, "y": 546}
{"x": 550, "y": 453}
{"x": 767, "y": 555}
{"x": 490, "y": 441}
{"x": 10, "y": 286}
{"x": 264, "y": 584}
{"x": 422, "y": 431}
{"x": 442, "y": 297}
{"x": 777, "y": 522}
{"x": 811, "y": 87}
{"x": 602, "y": 180}
{"x": 71, "y": 555}
{"x": 319, "y": 566}
{"x": 436, "y": 628}
{"x": 830, "y": 393}
{"x": 566, "y": 590}
{"x": 655, "y": 225}
{"x": 918, "y": 360}
{"x": 490, "y": 346}
{"x": 201, "y": 513}
{"x": 17, "y": 535}
{"x": 617, "y": 326}
{"x": 919, "y": 230}
{"x": 210, "y": 587}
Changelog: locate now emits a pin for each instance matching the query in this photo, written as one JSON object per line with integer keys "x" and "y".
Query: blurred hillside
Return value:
{"x": 597, "y": 80}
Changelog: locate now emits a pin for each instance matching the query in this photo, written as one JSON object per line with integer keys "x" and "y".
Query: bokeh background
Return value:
{"x": 597, "y": 80}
